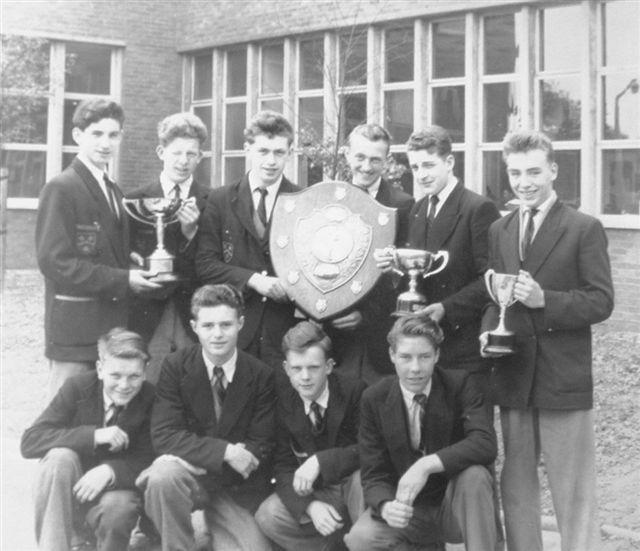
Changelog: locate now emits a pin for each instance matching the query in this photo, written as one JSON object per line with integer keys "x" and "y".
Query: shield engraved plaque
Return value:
{"x": 322, "y": 241}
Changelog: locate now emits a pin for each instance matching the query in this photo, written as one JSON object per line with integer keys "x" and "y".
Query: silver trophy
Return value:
{"x": 415, "y": 263}
{"x": 158, "y": 212}
{"x": 500, "y": 288}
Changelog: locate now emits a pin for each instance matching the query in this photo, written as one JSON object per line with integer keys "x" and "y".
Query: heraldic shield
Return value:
{"x": 322, "y": 241}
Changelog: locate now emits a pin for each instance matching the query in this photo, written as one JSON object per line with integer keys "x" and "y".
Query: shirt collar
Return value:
{"x": 444, "y": 193}
{"x": 167, "y": 186}
{"x": 108, "y": 402}
{"x": 255, "y": 183}
{"x": 373, "y": 188}
{"x": 408, "y": 395}
{"x": 543, "y": 208}
{"x": 96, "y": 172}
{"x": 229, "y": 367}
{"x": 322, "y": 400}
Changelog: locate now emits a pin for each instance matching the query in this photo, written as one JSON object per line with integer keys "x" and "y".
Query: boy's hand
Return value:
{"x": 305, "y": 476}
{"x": 139, "y": 283}
{"x": 93, "y": 482}
{"x": 528, "y": 291}
{"x": 325, "y": 517}
{"x": 114, "y": 436}
{"x": 268, "y": 286}
{"x": 240, "y": 460}
{"x": 188, "y": 216}
{"x": 384, "y": 259}
{"x": 350, "y": 321}
{"x": 396, "y": 514}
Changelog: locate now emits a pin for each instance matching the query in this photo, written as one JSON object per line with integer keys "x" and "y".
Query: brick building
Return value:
{"x": 476, "y": 67}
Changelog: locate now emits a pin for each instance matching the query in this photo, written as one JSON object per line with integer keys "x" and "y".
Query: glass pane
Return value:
{"x": 398, "y": 114}
{"x": 500, "y": 110}
{"x": 202, "y": 75}
{"x": 69, "y": 107}
{"x": 458, "y": 167}
{"x": 621, "y": 181}
{"x": 621, "y": 106}
{"x": 234, "y": 127}
{"x": 500, "y": 50}
{"x": 621, "y": 39}
{"x": 556, "y": 52}
{"x": 204, "y": 113}
{"x": 353, "y": 111}
{"x": 567, "y": 184}
{"x": 202, "y": 174}
{"x": 237, "y": 73}
{"x": 308, "y": 173}
{"x": 234, "y": 169}
{"x": 399, "y": 55}
{"x": 496, "y": 181}
{"x": 311, "y": 122}
{"x": 311, "y": 64}
{"x": 26, "y": 172}
{"x": 272, "y": 69}
{"x": 272, "y": 105}
{"x": 353, "y": 59}
{"x": 448, "y": 110}
{"x": 66, "y": 159}
{"x": 399, "y": 173}
{"x": 24, "y": 119}
{"x": 25, "y": 63}
{"x": 448, "y": 48}
{"x": 560, "y": 102}
{"x": 88, "y": 68}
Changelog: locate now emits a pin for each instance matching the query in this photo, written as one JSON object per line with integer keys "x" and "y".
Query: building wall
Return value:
{"x": 624, "y": 251}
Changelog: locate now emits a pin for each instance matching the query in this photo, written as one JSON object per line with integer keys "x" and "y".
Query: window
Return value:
{"x": 235, "y": 115}
{"x": 272, "y": 77}
{"x": 352, "y": 80}
{"x": 398, "y": 83}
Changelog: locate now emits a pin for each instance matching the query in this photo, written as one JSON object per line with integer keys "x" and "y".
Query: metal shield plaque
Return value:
{"x": 322, "y": 241}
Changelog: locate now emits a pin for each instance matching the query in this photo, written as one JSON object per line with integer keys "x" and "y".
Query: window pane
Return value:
{"x": 202, "y": 75}
{"x": 66, "y": 159}
{"x": 311, "y": 122}
{"x": 272, "y": 69}
{"x": 69, "y": 107}
{"x": 556, "y": 52}
{"x": 495, "y": 180}
{"x": 26, "y": 172}
{"x": 234, "y": 169}
{"x": 353, "y": 111}
{"x": 311, "y": 64}
{"x": 567, "y": 184}
{"x": 458, "y": 167}
{"x": 500, "y": 110}
{"x": 202, "y": 174}
{"x": 308, "y": 173}
{"x": 621, "y": 181}
{"x": 560, "y": 102}
{"x": 500, "y": 50}
{"x": 25, "y": 63}
{"x": 353, "y": 59}
{"x": 234, "y": 128}
{"x": 621, "y": 39}
{"x": 399, "y": 173}
{"x": 621, "y": 107}
{"x": 448, "y": 48}
{"x": 88, "y": 68}
{"x": 204, "y": 112}
{"x": 24, "y": 119}
{"x": 237, "y": 73}
{"x": 399, "y": 55}
{"x": 398, "y": 114}
{"x": 272, "y": 105}
{"x": 448, "y": 110}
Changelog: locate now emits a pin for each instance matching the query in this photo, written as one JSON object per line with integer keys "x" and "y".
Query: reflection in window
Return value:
{"x": 621, "y": 39}
{"x": 560, "y": 101}
{"x": 272, "y": 105}
{"x": 556, "y": 24}
{"x": 399, "y": 173}
{"x": 26, "y": 172}
{"x": 500, "y": 49}
{"x": 88, "y": 68}
{"x": 398, "y": 114}
{"x": 621, "y": 181}
{"x": 353, "y": 58}
{"x": 204, "y": 113}
{"x": 496, "y": 181}
{"x": 311, "y": 64}
{"x": 69, "y": 108}
{"x": 237, "y": 73}
{"x": 399, "y": 55}
{"x": 310, "y": 124}
{"x": 458, "y": 167}
{"x": 66, "y": 159}
{"x": 448, "y": 48}
{"x": 202, "y": 75}
{"x": 448, "y": 110}
{"x": 308, "y": 173}
{"x": 202, "y": 175}
{"x": 500, "y": 110}
{"x": 24, "y": 119}
{"x": 567, "y": 184}
{"x": 234, "y": 127}
{"x": 272, "y": 69}
{"x": 621, "y": 106}
{"x": 234, "y": 169}
{"x": 353, "y": 111}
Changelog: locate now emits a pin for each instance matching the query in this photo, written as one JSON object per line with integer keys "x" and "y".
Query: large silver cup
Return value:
{"x": 415, "y": 263}
{"x": 158, "y": 212}
{"x": 501, "y": 288}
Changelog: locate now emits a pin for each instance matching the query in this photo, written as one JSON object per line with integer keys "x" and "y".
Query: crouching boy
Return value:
{"x": 94, "y": 440}
{"x": 318, "y": 492}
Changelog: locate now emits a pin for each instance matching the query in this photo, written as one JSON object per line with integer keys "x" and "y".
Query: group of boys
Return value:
{"x": 406, "y": 462}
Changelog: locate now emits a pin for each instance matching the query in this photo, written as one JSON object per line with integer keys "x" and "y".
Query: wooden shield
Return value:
{"x": 322, "y": 241}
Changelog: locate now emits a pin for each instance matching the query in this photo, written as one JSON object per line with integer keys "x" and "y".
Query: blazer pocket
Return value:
{"x": 74, "y": 322}
{"x": 87, "y": 239}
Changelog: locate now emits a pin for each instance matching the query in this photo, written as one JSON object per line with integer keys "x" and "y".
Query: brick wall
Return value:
{"x": 624, "y": 251}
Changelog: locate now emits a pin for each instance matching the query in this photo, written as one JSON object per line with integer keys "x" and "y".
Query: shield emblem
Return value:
{"x": 322, "y": 241}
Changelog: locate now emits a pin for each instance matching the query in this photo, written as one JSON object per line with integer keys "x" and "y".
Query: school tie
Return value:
{"x": 421, "y": 400}
{"x": 527, "y": 235}
{"x": 316, "y": 418}
{"x": 111, "y": 194}
{"x": 260, "y": 217}
{"x": 112, "y": 414}
{"x": 431, "y": 214}
{"x": 176, "y": 192}
{"x": 219, "y": 389}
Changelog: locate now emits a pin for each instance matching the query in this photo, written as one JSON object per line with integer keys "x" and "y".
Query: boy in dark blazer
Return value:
{"x": 213, "y": 427}
{"x": 545, "y": 389}
{"x": 233, "y": 242}
{"x": 93, "y": 440}
{"x": 426, "y": 443}
{"x": 82, "y": 246}
{"x": 318, "y": 491}
{"x": 163, "y": 320}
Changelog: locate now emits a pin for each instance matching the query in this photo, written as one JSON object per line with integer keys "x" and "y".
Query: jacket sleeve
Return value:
{"x": 261, "y": 431}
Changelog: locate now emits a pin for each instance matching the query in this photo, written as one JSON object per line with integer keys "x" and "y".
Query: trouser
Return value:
{"x": 567, "y": 443}
{"x": 112, "y": 516}
{"x": 59, "y": 372}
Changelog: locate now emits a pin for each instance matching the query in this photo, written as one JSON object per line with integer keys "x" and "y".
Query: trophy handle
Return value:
{"x": 396, "y": 262}
{"x": 131, "y": 206}
{"x": 444, "y": 255}
{"x": 488, "y": 278}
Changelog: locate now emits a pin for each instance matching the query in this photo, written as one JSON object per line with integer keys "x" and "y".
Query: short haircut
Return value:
{"x": 121, "y": 343}
{"x": 371, "y": 132}
{"x": 209, "y": 296}
{"x": 94, "y": 110}
{"x": 181, "y": 125}
{"x": 305, "y": 335}
{"x": 269, "y": 123}
{"x": 522, "y": 141}
{"x": 432, "y": 139}
{"x": 415, "y": 325}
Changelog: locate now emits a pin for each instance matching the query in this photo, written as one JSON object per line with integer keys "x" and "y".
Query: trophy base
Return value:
{"x": 501, "y": 344}
{"x": 406, "y": 307}
{"x": 166, "y": 278}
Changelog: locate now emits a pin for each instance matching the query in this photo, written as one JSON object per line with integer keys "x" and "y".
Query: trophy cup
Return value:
{"x": 500, "y": 288}
{"x": 415, "y": 262}
{"x": 158, "y": 212}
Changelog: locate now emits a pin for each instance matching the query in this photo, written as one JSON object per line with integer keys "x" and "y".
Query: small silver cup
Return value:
{"x": 501, "y": 288}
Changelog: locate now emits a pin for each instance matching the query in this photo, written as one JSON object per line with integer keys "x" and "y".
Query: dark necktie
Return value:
{"x": 111, "y": 194}
{"x": 219, "y": 389}
{"x": 176, "y": 192}
{"x": 529, "y": 229}
{"x": 421, "y": 400}
{"x": 317, "y": 420}
{"x": 112, "y": 414}
{"x": 431, "y": 213}
{"x": 262, "y": 206}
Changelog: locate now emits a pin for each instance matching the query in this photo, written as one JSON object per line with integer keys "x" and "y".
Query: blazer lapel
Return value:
{"x": 508, "y": 239}
{"x": 446, "y": 220}
{"x": 242, "y": 206}
{"x": 418, "y": 226}
{"x": 548, "y": 235}
{"x": 238, "y": 394}
{"x": 336, "y": 409}
{"x": 298, "y": 423}
{"x": 196, "y": 387}
{"x": 394, "y": 427}
{"x": 91, "y": 407}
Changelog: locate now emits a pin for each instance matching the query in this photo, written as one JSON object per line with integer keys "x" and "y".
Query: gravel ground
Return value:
{"x": 617, "y": 396}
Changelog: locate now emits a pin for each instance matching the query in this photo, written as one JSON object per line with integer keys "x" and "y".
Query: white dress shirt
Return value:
{"x": 272, "y": 193}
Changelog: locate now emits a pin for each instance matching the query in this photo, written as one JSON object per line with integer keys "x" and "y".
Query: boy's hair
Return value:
{"x": 94, "y": 110}
{"x": 433, "y": 138}
{"x": 371, "y": 132}
{"x": 121, "y": 343}
{"x": 305, "y": 335}
{"x": 415, "y": 325}
{"x": 269, "y": 123}
{"x": 216, "y": 295}
{"x": 181, "y": 125}
{"x": 522, "y": 141}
